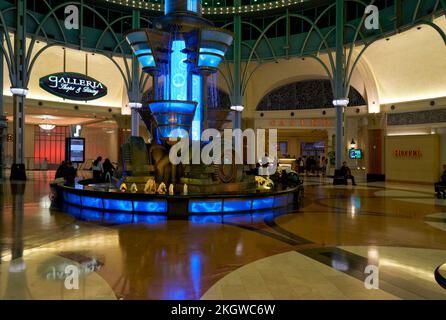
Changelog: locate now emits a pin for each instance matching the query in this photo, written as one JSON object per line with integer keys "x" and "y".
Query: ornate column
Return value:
{"x": 3, "y": 122}
{"x": 19, "y": 92}
{"x": 340, "y": 101}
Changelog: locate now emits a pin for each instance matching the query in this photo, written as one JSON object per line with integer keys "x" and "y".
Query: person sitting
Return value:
{"x": 69, "y": 174}
{"x": 440, "y": 187}
{"x": 108, "y": 170}
{"x": 347, "y": 173}
{"x": 60, "y": 170}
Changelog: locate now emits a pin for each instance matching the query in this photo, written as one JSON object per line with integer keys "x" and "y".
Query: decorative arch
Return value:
{"x": 307, "y": 94}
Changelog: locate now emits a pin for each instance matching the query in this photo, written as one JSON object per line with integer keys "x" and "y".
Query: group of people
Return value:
{"x": 102, "y": 170}
{"x": 312, "y": 165}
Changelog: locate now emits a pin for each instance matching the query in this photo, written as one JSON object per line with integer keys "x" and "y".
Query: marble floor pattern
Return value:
{"x": 319, "y": 252}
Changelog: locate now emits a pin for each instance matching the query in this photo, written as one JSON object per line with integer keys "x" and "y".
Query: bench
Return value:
{"x": 339, "y": 179}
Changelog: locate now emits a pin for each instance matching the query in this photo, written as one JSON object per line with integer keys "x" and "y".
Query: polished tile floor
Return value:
{"x": 320, "y": 252}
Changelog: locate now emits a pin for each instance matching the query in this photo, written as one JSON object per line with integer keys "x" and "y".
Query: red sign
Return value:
{"x": 408, "y": 153}
{"x": 293, "y": 123}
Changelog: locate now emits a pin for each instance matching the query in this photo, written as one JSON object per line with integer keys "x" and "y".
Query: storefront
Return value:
{"x": 414, "y": 158}
{"x": 71, "y": 93}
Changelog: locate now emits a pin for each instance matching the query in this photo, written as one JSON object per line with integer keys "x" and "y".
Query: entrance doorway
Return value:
{"x": 313, "y": 149}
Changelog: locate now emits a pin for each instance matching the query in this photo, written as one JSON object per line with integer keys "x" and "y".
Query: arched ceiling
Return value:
{"x": 411, "y": 65}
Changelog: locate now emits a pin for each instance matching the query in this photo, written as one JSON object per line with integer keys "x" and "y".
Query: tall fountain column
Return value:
{"x": 237, "y": 103}
{"x": 185, "y": 49}
{"x": 134, "y": 94}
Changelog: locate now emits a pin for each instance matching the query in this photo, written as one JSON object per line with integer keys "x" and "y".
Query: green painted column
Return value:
{"x": 237, "y": 94}
{"x": 3, "y": 123}
{"x": 134, "y": 94}
{"x": 19, "y": 90}
{"x": 341, "y": 101}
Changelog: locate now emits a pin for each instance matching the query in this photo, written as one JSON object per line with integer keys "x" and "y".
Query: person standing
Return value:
{"x": 301, "y": 166}
{"x": 108, "y": 169}
{"x": 327, "y": 167}
{"x": 98, "y": 169}
{"x": 324, "y": 166}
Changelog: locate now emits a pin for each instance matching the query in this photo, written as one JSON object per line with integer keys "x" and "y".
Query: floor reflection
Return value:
{"x": 155, "y": 258}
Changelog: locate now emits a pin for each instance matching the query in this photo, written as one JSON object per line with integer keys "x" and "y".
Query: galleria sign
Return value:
{"x": 73, "y": 86}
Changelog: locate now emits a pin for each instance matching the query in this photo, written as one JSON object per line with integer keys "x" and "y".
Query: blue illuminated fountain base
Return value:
{"x": 126, "y": 208}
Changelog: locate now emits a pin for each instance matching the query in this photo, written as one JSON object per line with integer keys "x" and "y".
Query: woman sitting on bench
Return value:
{"x": 440, "y": 187}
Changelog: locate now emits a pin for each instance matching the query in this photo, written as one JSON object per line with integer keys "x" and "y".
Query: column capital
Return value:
{"x": 21, "y": 92}
{"x": 135, "y": 105}
{"x": 341, "y": 102}
{"x": 239, "y": 108}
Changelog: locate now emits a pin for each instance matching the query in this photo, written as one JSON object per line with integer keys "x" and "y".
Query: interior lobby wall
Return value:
{"x": 442, "y": 134}
{"x": 422, "y": 167}
{"x": 100, "y": 143}
{"x": 29, "y": 144}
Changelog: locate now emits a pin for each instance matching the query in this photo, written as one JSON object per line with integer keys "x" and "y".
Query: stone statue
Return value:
{"x": 134, "y": 188}
{"x": 185, "y": 190}
{"x": 171, "y": 190}
{"x": 161, "y": 161}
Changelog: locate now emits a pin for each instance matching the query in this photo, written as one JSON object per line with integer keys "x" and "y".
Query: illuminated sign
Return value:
{"x": 75, "y": 150}
{"x": 415, "y": 154}
{"x": 355, "y": 154}
{"x": 73, "y": 86}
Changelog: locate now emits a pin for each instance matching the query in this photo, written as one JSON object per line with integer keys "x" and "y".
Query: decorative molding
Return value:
{"x": 416, "y": 117}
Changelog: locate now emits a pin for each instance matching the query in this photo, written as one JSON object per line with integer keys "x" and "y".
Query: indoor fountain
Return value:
{"x": 180, "y": 53}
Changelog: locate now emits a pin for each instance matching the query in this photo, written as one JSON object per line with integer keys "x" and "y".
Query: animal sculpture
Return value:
{"x": 150, "y": 187}
{"x": 162, "y": 189}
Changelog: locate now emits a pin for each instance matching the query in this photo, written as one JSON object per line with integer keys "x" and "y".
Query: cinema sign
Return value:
{"x": 73, "y": 86}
